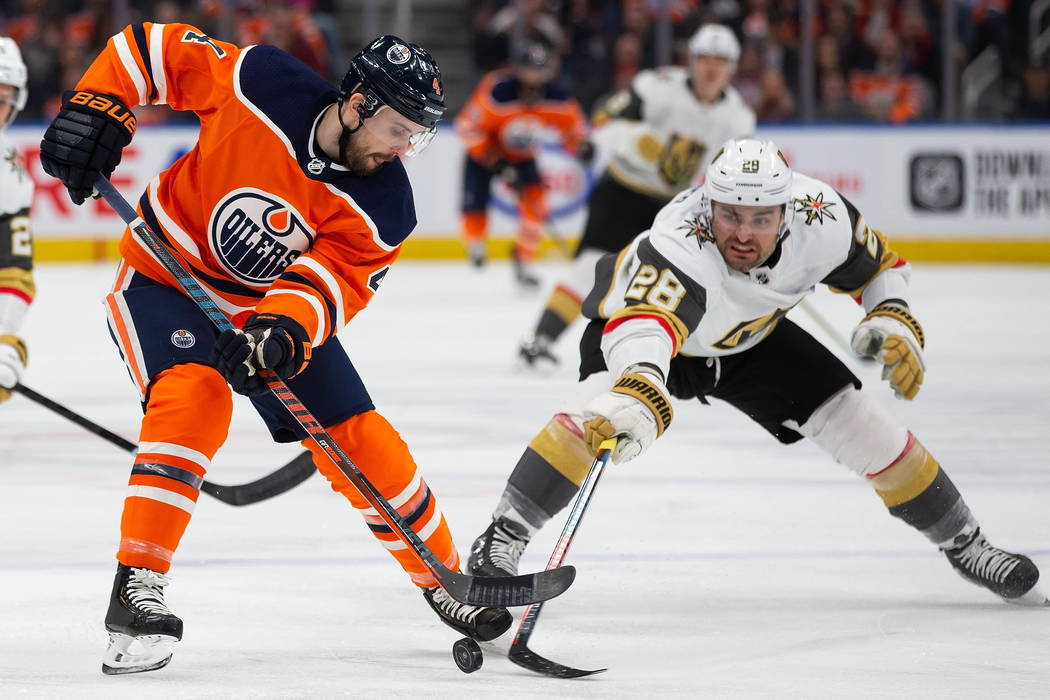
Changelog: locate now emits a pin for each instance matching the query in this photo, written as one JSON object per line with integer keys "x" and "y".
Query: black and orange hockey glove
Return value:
{"x": 268, "y": 341}
{"x": 86, "y": 138}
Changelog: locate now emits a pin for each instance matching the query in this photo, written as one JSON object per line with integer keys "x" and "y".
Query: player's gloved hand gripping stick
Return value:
{"x": 519, "y": 651}
{"x": 498, "y": 591}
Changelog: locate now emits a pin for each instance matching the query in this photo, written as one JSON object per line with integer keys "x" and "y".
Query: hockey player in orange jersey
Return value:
{"x": 288, "y": 211}
{"x": 501, "y": 126}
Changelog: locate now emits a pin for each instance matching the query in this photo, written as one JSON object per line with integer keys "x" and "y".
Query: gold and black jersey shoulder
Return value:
{"x": 657, "y": 288}
{"x": 622, "y": 104}
{"x": 869, "y": 254}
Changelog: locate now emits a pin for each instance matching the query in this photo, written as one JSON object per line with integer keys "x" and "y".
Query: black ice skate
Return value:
{"x": 535, "y": 351}
{"x": 1010, "y": 576}
{"x": 142, "y": 630}
{"x": 497, "y": 550}
{"x": 476, "y": 252}
{"x": 482, "y": 624}
{"x": 525, "y": 278}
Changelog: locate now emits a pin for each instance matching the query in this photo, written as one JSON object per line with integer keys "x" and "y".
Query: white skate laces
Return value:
{"x": 987, "y": 562}
{"x": 452, "y": 607}
{"x": 145, "y": 590}
{"x": 505, "y": 550}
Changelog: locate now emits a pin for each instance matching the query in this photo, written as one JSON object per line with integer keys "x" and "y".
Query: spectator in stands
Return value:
{"x": 835, "y": 103}
{"x": 1035, "y": 98}
{"x": 775, "y": 103}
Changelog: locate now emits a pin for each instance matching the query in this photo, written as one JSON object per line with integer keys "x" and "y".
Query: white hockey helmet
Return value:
{"x": 751, "y": 172}
{"x": 715, "y": 40}
{"x": 13, "y": 73}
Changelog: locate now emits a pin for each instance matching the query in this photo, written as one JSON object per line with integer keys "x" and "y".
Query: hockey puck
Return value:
{"x": 467, "y": 654}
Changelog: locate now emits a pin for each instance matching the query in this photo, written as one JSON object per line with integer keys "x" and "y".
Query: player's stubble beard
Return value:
{"x": 354, "y": 154}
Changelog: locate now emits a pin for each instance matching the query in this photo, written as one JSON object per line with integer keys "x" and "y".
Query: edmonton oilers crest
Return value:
{"x": 255, "y": 235}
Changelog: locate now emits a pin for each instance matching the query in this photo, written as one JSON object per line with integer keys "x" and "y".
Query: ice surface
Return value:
{"x": 719, "y": 565}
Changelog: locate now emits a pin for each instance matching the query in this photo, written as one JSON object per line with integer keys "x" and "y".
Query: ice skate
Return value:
{"x": 476, "y": 252}
{"x": 142, "y": 630}
{"x": 481, "y": 624}
{"x": 1012, "y": 577}
{"x": 523, "y": 275}
{"x": 535, "y": 352}
{"x": 496, "y": 551}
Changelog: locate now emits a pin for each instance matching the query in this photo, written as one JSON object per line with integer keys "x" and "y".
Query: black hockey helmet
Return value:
{"x": 532, "y": 54}
{"x": 403, "y": 76}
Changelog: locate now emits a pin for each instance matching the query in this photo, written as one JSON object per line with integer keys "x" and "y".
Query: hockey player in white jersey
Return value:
{"x": 695, "y": 308}
{"x": 659, "y": 135}
{"x": 16, "y": 242}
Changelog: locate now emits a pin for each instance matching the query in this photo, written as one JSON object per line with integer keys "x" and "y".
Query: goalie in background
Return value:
{"x": 695, "y": 308}
{"x": 17, "y": 288}
{"x": 659, "y": 135}
{"x": 502, "y": 125}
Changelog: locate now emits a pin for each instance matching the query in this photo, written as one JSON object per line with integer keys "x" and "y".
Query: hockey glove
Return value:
{"x": 86, "y": 138}
{"x": 268, "y": 341}
{"x": 585, "y": 152}
{"x": 13, "y": 357}
{"x": 636, "y": 410}
{"x": 892, "y": 335}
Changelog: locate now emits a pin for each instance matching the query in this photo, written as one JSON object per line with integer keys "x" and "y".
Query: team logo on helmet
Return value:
{"x": 814, "y": 208}
{"x": 398, "y": 54}
{"x": 183, "y": 339}
{"x": 255, "y": 235}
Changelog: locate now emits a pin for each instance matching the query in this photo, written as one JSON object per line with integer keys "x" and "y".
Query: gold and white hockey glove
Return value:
{"x": 636, "y": 410}
{"x": 892, "y": 335}
{"x": 13, "y": 358}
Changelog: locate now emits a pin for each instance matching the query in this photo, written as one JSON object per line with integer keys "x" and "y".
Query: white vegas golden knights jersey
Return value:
{"x": 16, "y": 242}
{"x": 670, "y": 291}
{"x": 659, "y": 137}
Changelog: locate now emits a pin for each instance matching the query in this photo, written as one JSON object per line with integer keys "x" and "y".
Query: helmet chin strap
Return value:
{"x": 344, "y": 135}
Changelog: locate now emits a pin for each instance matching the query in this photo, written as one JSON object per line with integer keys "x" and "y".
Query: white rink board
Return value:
{"x": 718, "y": 565}
{"x": 914, "y": 182}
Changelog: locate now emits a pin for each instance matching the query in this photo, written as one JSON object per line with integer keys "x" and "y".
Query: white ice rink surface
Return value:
{"x": 719, "y": 565}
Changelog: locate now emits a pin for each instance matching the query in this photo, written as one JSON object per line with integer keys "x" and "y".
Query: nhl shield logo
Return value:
{"x": 183, "y": 339}
{"x": 398, "y": 54}
{"x": 255, "y": 235}
{"x": 938, "y": 182}
{"x": 315, "y": 166}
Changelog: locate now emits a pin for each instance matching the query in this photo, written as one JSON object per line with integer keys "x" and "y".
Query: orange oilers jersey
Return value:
{"x": 259, "y": 215}
{"x": 497, "y": 124}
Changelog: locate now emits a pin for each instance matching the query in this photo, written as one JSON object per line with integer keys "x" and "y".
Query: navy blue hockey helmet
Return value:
{"x": 403, "y": 76}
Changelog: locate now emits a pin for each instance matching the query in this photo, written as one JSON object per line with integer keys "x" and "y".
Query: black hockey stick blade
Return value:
{"x": 508, "y": 591}
{"x": 274, "y": 484}
{"x": 528, "y": 659}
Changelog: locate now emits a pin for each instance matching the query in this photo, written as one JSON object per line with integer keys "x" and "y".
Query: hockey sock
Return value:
{"x": 474, "y": 226}
{"x": 563, "y": 307}
{"x": 380, "y": 453}
{"x": 186, "y": 421}
{"x": 548, "y": 473}
{"x": 919, "y": 492}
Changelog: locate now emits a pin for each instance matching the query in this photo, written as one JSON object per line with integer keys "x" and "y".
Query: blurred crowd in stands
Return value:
{"x": 875, "y": 60}
{"x": 60, "y": 38}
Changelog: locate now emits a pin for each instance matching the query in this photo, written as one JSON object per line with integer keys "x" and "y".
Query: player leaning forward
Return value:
{"x": 288, "y": 211}
{"x": 17, "y": 288}
{"x": 695, "y": 308}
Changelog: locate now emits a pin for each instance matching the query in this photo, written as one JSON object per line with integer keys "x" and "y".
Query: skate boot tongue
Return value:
{"x": 482, "y": 624}
{"x": 1012, "y": 577}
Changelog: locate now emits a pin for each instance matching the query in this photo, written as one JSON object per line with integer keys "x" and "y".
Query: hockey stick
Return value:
{"x": 287, "y": 477}
{"x": 501, "y": 591}
{"x": 830, "y": 331}
{"x": 519, "y": 650}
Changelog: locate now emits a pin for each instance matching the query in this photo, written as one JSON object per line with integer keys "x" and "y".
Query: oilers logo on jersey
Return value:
{"x": 256, "y": 235}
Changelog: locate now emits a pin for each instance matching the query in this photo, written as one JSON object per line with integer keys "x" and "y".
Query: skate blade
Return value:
{"x": 127, "y": 654}
{"x": 1034, "y": 598}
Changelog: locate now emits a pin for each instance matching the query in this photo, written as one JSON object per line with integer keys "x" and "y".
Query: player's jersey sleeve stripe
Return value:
{"x": 138, "y": 31}
{"x": 312, "y": 288}
{"x": 334, "y": 293}
{"x": 120, "y": 43}
{"x": 259, "y": 114}
{"x": 318, "y": 335}
{"x": 671, "y": 324}
{"x": 156, "y": 54}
